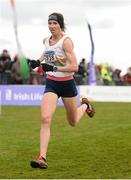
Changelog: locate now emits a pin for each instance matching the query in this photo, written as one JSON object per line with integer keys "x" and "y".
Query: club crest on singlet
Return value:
{"x": 51, "y": 57}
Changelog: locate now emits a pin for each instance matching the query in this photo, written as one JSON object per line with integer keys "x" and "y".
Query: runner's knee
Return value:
{"x": 72, "y": 122}
{"x": 46, "y": 119}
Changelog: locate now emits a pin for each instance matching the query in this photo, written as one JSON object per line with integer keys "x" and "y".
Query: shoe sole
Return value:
{"x": 90, "y": 111}
{"x": 37, "y": 165}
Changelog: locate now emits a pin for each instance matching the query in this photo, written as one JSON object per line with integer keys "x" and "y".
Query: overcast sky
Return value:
{"x": 109, "y": 19}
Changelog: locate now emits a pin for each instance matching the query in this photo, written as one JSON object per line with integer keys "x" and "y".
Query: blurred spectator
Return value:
{"x": 117, "y": 77}
{"x": 41, "y": 75}
{"x": 37, "y": 76}
{"x": 99, "y": 79}
{"x": 106, "y": 76}
{"x": 127, "y": 77}
{"x": 10, "y": 73}
{"x": 5, "y": 55}
{"x": 82, "y": 71}
{"x": 15, "y": 72}
{"x": 5, "y": 67}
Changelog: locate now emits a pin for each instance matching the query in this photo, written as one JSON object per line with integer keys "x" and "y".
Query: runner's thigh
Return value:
{"x": 71, "y": 107}
{"x": 48, "y": 104}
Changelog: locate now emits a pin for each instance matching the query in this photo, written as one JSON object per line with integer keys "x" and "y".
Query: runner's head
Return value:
{"x": 59, "y": 18}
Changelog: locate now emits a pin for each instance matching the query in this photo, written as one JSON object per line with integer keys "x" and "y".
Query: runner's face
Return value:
{"x": 54, "y": 27}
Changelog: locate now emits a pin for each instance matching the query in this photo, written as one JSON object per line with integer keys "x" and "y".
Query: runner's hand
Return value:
{"x": 48, "y": 67}
{"x": 33, "y": 63}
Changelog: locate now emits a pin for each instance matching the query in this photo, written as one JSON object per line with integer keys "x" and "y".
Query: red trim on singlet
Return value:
{"x": 66, "y": 78}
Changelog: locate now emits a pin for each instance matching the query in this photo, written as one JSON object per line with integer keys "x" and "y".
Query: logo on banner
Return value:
{"x": 8, "y": 95}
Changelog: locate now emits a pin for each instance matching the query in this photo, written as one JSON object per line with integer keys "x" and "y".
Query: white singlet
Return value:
{"x": 54, "y": 54}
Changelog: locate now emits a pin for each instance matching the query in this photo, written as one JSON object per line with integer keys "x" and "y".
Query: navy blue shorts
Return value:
{"x": 61, "y": 88}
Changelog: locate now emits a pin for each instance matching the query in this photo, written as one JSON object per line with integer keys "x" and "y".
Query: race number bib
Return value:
{"x": 50, "y": 56}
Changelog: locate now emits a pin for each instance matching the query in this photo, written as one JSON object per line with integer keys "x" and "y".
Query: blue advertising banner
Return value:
{"x": 22, "y": 95}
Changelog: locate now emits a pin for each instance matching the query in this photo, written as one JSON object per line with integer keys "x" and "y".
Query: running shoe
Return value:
{"x": 39, "y": 162}
{"x": 90, "y": 109}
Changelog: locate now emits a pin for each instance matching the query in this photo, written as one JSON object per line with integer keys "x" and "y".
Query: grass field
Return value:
{"x": 96, "y": 148}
